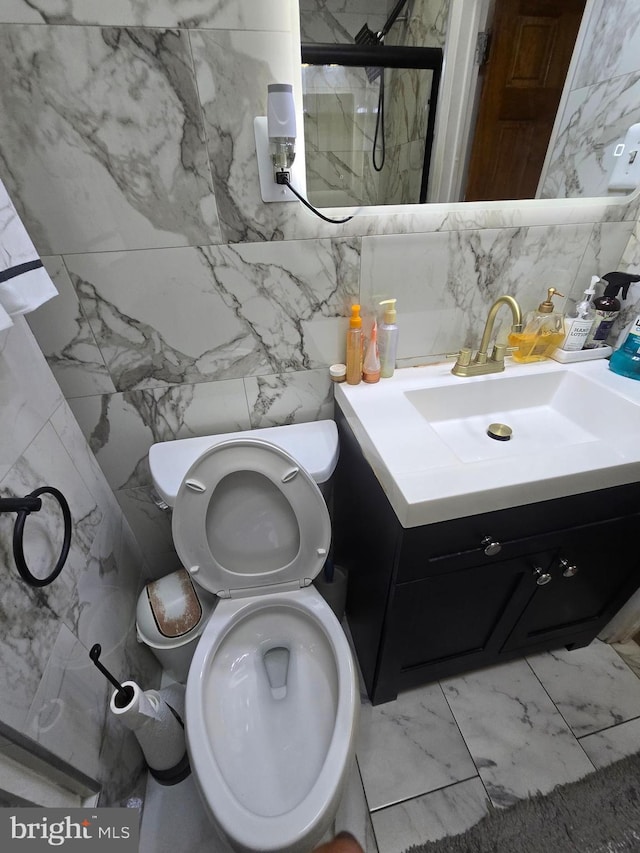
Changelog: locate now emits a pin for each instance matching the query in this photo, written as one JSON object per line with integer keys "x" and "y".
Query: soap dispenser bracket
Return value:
{"x": 24, "y": 507}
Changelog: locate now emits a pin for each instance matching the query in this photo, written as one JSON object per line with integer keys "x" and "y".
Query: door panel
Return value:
{"x": 532, "y": 44}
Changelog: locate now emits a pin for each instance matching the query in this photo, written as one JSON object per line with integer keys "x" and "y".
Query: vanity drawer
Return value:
{"x": 489, "y": 537}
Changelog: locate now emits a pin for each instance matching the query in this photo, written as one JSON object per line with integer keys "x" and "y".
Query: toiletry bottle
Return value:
{"x": 371, "y": 363}
{"x": 542, "y": 333}
{"x": 354, "y": 347}
{"x": 388, "y": 339}
{"x": 607, "y": 307}
{"x": 577, "y": 326}
{"x": 626, "y": 360}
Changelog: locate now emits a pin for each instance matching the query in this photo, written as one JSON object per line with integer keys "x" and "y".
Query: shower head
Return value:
{"x": 366, "y": 36}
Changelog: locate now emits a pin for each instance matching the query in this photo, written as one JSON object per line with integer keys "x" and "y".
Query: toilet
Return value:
{"x": 271, "y": 696}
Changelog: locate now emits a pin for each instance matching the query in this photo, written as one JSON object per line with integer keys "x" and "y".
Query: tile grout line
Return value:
{"x": 425, "y": 794}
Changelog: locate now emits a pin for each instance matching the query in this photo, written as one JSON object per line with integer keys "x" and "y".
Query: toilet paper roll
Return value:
{"x": 159, "y": 733}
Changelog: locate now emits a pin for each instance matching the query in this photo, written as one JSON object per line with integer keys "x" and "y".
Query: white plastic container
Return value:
{"x": 170, "y": 617}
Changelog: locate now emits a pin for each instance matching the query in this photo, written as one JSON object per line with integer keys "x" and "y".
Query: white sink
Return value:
{"x": 543, "y": 411}
{"x": 575, "y": 428}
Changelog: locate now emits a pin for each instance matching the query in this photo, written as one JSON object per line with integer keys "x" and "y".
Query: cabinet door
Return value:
{"x": 595, "y": 571}
{"x": 456, "y": 620}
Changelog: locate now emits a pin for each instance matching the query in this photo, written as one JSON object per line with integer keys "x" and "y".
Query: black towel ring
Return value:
{"x": 23, "y": 507}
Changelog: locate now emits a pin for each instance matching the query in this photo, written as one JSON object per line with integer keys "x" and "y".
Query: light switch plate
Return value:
{"x": 625, "y": 176}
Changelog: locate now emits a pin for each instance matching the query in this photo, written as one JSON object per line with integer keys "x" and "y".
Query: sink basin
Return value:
{"x": 543, "y": 410}
{"x": 575, "y": 428}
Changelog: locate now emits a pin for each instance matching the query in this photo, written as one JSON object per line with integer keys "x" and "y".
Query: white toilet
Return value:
{"x": 271, "y": 699}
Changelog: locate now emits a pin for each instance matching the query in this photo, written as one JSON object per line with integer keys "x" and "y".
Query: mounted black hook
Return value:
{"x": 124, "y": 694}
{"x": 23, "y": 507}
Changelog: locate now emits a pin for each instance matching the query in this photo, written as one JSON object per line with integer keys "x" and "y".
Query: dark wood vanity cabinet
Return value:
{"x": 429, "y": 602}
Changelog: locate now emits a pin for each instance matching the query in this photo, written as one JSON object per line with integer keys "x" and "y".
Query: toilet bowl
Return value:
{"x": 271, "y": 698}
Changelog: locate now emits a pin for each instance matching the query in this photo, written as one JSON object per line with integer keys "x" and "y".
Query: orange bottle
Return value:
{"x": 354, "y": 347}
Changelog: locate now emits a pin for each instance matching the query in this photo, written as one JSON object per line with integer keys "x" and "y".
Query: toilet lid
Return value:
{"x": 248, "y": 516}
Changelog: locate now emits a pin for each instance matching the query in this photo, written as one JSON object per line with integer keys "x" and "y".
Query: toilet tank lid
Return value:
{"x": 314, "y": 445}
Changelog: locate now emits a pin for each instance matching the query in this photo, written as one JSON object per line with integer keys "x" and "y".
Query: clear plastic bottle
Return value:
{"x": 371, "y": 363}
{"x": 354, "y": 347}
{"x": 578, "y": 325}
{"x": 388, "y": 339}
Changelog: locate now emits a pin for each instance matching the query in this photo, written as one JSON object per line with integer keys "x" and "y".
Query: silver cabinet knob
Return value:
{"x": 490, "y": 546}
{"x": 568, "y": 569}
{"x": 541, "y": 577}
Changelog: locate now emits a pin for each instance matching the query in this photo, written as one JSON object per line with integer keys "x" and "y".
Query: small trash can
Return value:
{"x": 170, "y": 617}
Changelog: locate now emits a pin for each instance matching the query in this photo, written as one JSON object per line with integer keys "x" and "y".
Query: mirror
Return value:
{"x": 557, "y": 140}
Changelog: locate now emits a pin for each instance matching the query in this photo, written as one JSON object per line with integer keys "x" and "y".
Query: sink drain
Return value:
{"x": 501, "y": 432}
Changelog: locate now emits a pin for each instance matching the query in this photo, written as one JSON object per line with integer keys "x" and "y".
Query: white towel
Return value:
{"x": 5, "y": 320}
{"x": 24, "y": 282}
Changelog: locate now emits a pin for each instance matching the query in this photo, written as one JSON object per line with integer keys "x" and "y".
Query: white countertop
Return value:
{"x": 428, "y": 476}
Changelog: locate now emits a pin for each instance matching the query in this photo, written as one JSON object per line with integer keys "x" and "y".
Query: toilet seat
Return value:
{"x": 248, "y": 517}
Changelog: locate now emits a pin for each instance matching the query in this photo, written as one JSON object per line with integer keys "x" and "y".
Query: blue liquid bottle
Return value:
{"x": 626, "y": 360}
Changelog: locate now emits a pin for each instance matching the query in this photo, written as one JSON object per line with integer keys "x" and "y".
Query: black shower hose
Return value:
{"x": 23, "y": 507}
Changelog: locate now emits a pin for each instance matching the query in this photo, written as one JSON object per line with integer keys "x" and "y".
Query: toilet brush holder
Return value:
{"x": 334, "y": 591}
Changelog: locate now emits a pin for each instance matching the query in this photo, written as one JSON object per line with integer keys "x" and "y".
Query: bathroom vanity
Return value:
{"x": 463, "y": 552}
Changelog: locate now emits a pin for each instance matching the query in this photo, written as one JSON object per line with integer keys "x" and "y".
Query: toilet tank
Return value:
{"x": 314, "y": 445}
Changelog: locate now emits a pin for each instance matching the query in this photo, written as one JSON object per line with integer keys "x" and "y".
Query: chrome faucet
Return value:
{"x": 468, "y": 365}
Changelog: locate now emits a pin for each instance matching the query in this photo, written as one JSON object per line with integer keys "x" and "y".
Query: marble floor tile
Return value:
{"x": 174, "y": 819}
{"x": 630, "y": 654}
{"x": 450, "y": 811}
{"x": 518, "y": 740}
{"x": 592, "y": 687}
{"x": 353, "y": 816}
{"x": 612, "y": 744}
{"x": 410, "y": 747}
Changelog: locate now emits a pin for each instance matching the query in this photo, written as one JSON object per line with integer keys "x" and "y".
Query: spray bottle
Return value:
{"x": 608, "y": 306}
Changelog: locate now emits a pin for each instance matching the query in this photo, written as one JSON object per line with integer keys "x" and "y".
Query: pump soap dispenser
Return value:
{"x": 578, "y": 326}
{"x": 543, "y": 331}
{"x": 388, "y": 339}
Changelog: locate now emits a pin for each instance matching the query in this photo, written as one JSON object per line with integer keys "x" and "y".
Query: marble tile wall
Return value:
{"x": 603, "y": 102}
{"x": 187, "y": 305}
{"x": 50, "y": 691}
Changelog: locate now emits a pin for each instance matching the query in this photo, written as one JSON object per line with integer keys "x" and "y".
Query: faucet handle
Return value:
{"x": 462, "y": 356}
{"x": 499, "y": 352}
